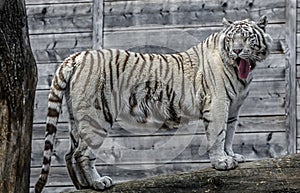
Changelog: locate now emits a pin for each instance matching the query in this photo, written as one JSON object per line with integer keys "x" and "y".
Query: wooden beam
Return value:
{"x": 291, "y": 97}
{"x": 271, "y": 175}
{"x": 98, "y": 24}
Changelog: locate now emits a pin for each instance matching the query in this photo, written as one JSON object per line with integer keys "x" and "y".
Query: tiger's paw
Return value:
{"x": 239, "y": 158}
{"x": 225, "y": 163}
{"x": 103, "y": 183}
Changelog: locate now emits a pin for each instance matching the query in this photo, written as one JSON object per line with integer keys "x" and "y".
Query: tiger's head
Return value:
{"x": 244, "y": 43}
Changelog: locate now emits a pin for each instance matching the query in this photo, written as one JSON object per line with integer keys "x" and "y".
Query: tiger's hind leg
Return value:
{"x": 73, "y": 170}
{"x": 80, "y": 162}
{"x": 80, "y": 159}
{"x": 85, "y": 160}
{"x": 91, "y": 137}
{"x": 88, "y": 107}
{"x": 77, "y": 178}
{"x": 73, "y": 167}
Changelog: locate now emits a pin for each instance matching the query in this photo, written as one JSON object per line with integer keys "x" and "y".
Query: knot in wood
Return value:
{"x": 216, "y": 182}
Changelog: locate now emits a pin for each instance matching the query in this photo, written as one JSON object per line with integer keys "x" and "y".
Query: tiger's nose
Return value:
{"x": 237, "y": 51}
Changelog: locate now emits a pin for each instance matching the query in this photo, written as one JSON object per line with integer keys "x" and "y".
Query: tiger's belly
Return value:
{"x": 151, "y": 106}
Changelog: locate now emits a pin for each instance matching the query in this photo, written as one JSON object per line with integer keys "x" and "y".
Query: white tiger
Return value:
{"x": 104, "y": 87}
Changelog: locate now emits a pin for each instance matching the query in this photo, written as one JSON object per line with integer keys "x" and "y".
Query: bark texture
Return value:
{"x": 17, "y": 92}
{"x": 272, "y": 175}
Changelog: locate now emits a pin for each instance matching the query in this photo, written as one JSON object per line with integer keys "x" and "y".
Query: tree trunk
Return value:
{"x": 272, "y": 175}
{"x": 17, "y": 92}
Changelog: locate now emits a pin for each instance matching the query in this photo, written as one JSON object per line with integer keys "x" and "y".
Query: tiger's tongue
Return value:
{"x": 244, "y": 68}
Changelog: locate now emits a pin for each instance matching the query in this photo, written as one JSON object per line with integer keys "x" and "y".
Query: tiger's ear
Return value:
{"x": 262, "y": 22}
{"x": 226, "y": 22}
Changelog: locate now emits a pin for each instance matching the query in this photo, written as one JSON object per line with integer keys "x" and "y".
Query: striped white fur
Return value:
{"x": 142, "y": 92}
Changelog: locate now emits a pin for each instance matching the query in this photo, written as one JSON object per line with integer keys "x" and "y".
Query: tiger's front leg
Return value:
{"x": 231, "y": 127}
{"x": 215, "y": 116}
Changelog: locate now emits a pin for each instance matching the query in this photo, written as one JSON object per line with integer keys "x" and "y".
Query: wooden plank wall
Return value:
{"x": 291, "y": 74}
{"x": 61, "y": 27}
{"x": 298, "y": 74}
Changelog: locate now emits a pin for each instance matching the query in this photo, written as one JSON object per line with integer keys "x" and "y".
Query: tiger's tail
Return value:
{"x": 58, "y": 87}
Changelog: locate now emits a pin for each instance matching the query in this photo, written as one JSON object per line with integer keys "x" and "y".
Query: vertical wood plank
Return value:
{"x": 98, "y": 24}
{"x": 291, "y": 103}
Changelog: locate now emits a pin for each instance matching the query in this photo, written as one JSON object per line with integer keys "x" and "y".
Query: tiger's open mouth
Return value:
{"x": 244, "y": 67}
